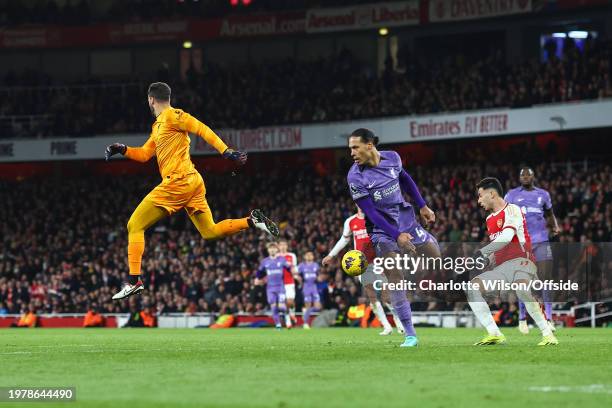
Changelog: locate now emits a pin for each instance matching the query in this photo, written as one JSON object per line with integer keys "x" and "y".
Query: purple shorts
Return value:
{"x": 542, "y": 251}
{"x": 385, "y": 244}
{"x": 276, "y": 295}
{"x": 408, "y": 223}
{"x": 311, "y": 294}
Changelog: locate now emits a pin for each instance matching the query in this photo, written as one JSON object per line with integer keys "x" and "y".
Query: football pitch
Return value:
{"x": 317, "y": 368}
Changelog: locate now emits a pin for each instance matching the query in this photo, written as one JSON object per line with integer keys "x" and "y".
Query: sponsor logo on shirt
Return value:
{"x": 379, "y": 195}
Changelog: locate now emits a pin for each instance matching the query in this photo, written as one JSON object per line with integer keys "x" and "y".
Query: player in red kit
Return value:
{"x": 355, "y": 226}
{"x": 509, "y": 252}
{"x": 289, "y": 281}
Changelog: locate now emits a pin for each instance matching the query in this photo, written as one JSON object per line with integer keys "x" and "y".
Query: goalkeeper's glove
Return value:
{"x": 484, "y": 259}
{"x": 235, "y": 155}
{"x": 114, "y": 149}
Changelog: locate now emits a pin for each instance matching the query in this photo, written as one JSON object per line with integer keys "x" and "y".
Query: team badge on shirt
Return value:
{"x": 500, "y": 223}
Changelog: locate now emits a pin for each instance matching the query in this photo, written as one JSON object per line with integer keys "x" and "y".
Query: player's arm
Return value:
{"x": 341, "y": 243}
{"x": 513, "y": 221}
{"x": 293, "y": 267}
{"x": 192, "y": 125}
{"x": 260, "y": 273}
{"x": 550, "y": 215}
{"x": 297, "y": 274}
{"x": 408, "y": 186}
{"x": 141, "y": 154}
{"x": 367, "y": 206}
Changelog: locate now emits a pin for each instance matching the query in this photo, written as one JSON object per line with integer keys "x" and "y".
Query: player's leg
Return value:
{"x": 523, "y": 271}
{"x": 367, "y": 281}
{"x": 144, "y": 216}
{"x": 203, "y": 220}
{"x": 282, "y": 304}
{"x": 389, "y": 249}
{"x": 308, "y": 312}
{"x": 533, "y": 308}
{"x": 522, "y": 326}
{"x": 290, "y": 301}
{"x": 544, "y": 272}
{"x": 481, "y": 309}
{"x": 312, "y": 302}
{"x": 201, "y": 216}
{"x": 272, "y": 297}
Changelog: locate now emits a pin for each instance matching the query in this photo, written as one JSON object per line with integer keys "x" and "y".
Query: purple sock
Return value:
{"x": 275, "y": 315}
{"x": 309, "y": 311}
{"x": 522, "y": 311}
{"x": 402, "y": 308}
{"x": 547, "y": 304}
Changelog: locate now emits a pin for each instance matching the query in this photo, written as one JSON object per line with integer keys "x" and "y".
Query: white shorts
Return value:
{"x": 290, "y": 291}
{"x": 511, "y": 271}
{"x": 369, "y": 277}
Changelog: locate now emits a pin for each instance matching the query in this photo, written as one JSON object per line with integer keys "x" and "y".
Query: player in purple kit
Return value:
{"x": 308, "y": 272}
{"x": 376, "y": 182}
{"x": 273, "y": 268}
{"x": 535, "y": 203}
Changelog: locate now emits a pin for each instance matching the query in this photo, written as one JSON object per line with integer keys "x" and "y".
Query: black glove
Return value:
{"x": 485, "y": 259}
{"x": 114, "y": 149}
{"x": 235, "y": 155}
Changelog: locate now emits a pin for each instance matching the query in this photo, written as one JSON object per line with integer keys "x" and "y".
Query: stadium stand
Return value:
{"x": 292, "y": 91}
{"x": 61, "y": 255}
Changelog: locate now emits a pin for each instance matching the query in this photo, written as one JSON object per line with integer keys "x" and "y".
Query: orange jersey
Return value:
{"x": 170, "y": 142}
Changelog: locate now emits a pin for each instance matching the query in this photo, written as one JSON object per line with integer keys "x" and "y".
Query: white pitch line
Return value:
{"x": 586, "y": 389}
{"x": 82, "y": 351}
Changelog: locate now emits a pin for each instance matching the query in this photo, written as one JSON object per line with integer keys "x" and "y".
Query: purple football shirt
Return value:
{"x": 532, "y": 204}
{"x": 273, "y": 269}
{"x": 382, "y": 184}
{"x": 309, "y": 272}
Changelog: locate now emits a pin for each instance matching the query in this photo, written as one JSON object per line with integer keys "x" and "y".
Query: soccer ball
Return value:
{"x": 354, "y": 263}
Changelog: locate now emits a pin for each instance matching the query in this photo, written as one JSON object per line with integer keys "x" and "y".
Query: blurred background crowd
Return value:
{"x": 291, "y": 91}
{"x": 62, "y": 246}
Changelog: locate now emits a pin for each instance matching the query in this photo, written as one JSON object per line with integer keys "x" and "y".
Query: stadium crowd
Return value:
{"x": 63, "y": 241}
{"x": 82, "y": 12}
{"x": 293, "y": 91}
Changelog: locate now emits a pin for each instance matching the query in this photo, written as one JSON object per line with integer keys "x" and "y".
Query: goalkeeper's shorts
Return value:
{"x": 177, "y": 192}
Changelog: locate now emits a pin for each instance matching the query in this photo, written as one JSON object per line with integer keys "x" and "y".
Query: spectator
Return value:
{"x": 28, "y": 319}
{"x": 93, "y": 318}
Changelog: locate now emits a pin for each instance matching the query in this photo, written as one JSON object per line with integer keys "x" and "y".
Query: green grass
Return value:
{"x": 317, "y": 368}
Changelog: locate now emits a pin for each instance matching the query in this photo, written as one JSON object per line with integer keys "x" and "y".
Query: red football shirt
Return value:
{"x": 520, "y": 245}
{"x": 288, "y": 274}
{"x": 355, "y": 225}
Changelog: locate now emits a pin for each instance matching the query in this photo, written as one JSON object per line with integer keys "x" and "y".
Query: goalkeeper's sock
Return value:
{"x": 403, "y": 310}
{"x": 231, "y": 227}
{"x": 379, "y": 312}
{"x": 133, "y": 279}
{"x": 533, "y": 308}
{"x": 396, "y": 319}
{"x": 483, "y": 313}
{"x": 136, "y": 247}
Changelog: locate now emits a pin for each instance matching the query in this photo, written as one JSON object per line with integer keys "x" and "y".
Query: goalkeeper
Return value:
{"x": 181, "y": 187}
